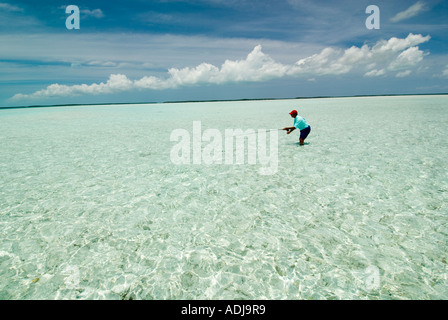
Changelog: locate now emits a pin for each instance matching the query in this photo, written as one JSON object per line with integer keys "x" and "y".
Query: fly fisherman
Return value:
{"x": 301, "y": 124}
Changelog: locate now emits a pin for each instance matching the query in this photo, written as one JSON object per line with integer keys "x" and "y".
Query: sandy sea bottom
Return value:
{"x": 92, "y": 206}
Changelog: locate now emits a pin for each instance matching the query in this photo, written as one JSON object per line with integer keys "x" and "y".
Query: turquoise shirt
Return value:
{"x": 300, "y": 123}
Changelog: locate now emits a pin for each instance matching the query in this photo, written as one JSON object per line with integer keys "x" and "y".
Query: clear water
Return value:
{"x": 92, "y": 207}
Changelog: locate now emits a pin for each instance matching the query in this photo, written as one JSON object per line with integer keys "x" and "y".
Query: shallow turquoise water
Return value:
{"x": 92, "y": 206}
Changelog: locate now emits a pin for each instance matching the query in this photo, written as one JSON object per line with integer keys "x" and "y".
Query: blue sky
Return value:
{"x": 136, "y": 51}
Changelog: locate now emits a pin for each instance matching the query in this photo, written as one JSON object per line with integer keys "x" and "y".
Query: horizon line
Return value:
{"x": 221, "y": 100}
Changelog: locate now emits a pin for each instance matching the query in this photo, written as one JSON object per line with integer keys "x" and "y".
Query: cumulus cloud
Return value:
{"x": 395, "y": 44}
{"x": 393, "y": 55}
{"x": 323, "y": 63}
{"x": 396, "y": 54}
{"x": 408, "y": 58}
{"x": 116, "y": 83}
{"x": 412, "y": 11}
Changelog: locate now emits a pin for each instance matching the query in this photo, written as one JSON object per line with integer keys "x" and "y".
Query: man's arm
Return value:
{"x": 289, "y": 129}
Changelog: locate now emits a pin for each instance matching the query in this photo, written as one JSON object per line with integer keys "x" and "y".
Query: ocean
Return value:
{"x": 93, "y": 205}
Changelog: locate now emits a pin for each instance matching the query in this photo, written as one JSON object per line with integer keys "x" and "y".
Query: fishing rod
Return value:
{"x": 253, "y": 132}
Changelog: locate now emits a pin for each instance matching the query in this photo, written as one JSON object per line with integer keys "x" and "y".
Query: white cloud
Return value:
{"x": 99, "y": 63}
{"x": 96, "y": 13}
{"x": 412, "y": 11}
{"x": 10, "y": 7}
{"x": 257, "y": 67}
{"x": 391, "y": 55}
{"x": 408, "y": 58}
{"x": 396, "y": 44}
{"x": 116, "y": 83}
{"x": 403, "y": 74}
{"x": 323, "y": 63}
{"x": 333, "y": 61}
{"x": 375, "y": 73}
{"x": 443, "y": 74}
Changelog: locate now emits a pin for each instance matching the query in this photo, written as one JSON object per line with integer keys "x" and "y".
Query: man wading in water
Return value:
{"x": 301, "y": 124}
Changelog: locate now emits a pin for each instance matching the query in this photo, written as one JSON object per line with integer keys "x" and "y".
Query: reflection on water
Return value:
{"x": 93, "y": 208}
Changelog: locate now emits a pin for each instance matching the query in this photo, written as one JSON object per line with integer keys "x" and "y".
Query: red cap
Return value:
{"x": 293, "y": 112}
